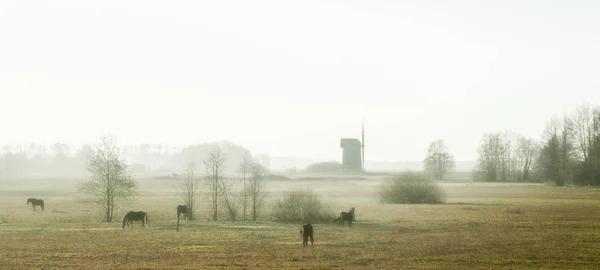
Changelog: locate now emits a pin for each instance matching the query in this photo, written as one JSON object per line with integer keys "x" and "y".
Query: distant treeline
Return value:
{"x": 568, "y": 153}
{"x": 63, "y": 159}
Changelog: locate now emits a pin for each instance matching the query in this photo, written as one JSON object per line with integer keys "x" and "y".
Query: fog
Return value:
{"x": 289, "y": 79}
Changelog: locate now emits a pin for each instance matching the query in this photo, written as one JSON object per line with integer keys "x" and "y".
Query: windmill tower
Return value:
{"x": 353, "y": 157}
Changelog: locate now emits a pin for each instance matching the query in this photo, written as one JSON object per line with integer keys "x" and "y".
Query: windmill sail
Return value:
{"x": 362, "y": 142}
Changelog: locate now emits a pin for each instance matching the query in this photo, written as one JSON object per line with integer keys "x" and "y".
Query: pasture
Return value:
{"x": 516, "y": 226}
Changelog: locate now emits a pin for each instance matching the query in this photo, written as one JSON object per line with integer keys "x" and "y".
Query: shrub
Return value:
{"x": 411, "y": 188}
{"x": 324, "y": 167}
{"x": 301, "y": 206}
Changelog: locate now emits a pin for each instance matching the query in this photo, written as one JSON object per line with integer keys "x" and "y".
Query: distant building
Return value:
{"x": 352, "y": 156}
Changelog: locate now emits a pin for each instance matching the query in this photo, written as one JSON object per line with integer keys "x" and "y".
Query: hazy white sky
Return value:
{"x": 290, "y": 78}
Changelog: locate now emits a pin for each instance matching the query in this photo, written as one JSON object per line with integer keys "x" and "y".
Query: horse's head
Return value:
{"x": 30, "y": 200}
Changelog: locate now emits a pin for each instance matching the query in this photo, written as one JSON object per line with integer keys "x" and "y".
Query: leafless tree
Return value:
{"x": 188, "y": 185}
{"x": 229, "y": 197}
{"x": 438, "y": 160}
{"x": 506, "y": 156}
{"x": 245, "y": 167}
{"x": 557, "y": 154}
{"x": 256, "y": 189}
{"x": 214, "y": 166}
{"x": 110, "y": 184}
{"x": 527, "y": 152}
{"x": 585, "y": 122}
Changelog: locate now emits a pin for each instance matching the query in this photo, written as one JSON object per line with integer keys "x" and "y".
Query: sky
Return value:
{"x": 290, "y": 78}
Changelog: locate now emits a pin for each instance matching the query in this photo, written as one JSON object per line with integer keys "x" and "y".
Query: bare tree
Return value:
{"x": 587, "y": 134}
{"x": 214, "y": 166}
{"x": 438, "y": 161}
{"x": 110, "y": 184}
{"x": 256, "y": 189}
{"x": 245, "y": 167}
{"x": 506, "y": 156}
{"x": 527, "y": 152}
{"x": 487, "y": 164}
{"x": 229, "y": 198}
{"x": 188, "y": 185}
{"x": 557, "y": 154}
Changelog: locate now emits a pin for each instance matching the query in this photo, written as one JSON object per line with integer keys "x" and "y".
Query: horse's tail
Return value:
{"x": 124, "y": 221}
{"x": 145, "y": 219}
{"x": 42, "y": 204}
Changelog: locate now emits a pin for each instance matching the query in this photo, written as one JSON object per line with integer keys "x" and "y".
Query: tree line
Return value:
{"x": 64, "y": 159}
{"x": 568, "y": 153}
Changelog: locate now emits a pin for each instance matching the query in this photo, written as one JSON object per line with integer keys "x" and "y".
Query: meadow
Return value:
{"x": 482, "y": 226}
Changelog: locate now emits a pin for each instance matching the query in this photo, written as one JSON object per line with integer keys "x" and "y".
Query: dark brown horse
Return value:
{"x": 36, "y": 202}
{"x": 345, "y": 216}
{"x": 183, "y": 209}
{"x": 307, "y": 234}
{"x": 133, "y": 216}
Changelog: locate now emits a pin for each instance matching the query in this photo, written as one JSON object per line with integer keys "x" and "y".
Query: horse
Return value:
{"x": 183, "y": 209}
{"x": 345, "y": 216}
{"x": 36, "y": 202}
{"x": 307, "y": 234}
{"x": 132, "y": 216}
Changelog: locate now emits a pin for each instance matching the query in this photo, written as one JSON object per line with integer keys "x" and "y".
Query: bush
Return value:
{"x": 301, "y": 206}
{"x": 324, "y": 167}
{"x": 412, "y": 188}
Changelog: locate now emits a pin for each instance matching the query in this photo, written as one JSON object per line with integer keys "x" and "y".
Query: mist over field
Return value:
{"x": 311, "y": 134}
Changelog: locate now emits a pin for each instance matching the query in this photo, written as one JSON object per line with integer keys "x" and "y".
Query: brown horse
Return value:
{"x": 345, "y": 216}
{"x": 132, "y": 216}
{"x": 307, "y": 234}
{"x": 36, "y": 202}
{"x": 183, "y": 209}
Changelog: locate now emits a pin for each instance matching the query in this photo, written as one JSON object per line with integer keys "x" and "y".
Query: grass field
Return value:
{"x": 482, "y": 225}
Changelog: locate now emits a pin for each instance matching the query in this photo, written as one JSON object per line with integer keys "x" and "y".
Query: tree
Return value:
{"x": 438, "y": 161}
{"x": 110, "y": 184}
{"x": 214, "y": 166}
{"x": 256, "y": 189}
{"x": 587, "y": 133}
{"x": 557, "y": 155}
{"x": 506, "y": 156}
{"x": 527, "y": 151}
{"x": 229, "y": 198}
{"x": 188, "y": 188}
{"x": 245, "y": 167}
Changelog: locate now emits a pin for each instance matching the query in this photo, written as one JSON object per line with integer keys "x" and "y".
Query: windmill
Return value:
{"x": 353, "y": 156}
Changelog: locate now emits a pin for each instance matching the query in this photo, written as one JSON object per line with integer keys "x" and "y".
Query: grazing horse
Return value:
{"x": 307, "y": 234}
{"x": 36, "y": 202}
{"x": 345, "y": 216}
{"x": 132, "y": 216}
{"x": 183, "y": 209}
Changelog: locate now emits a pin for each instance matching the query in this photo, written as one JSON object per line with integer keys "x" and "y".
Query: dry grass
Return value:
{"x": 481, "y": 226}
